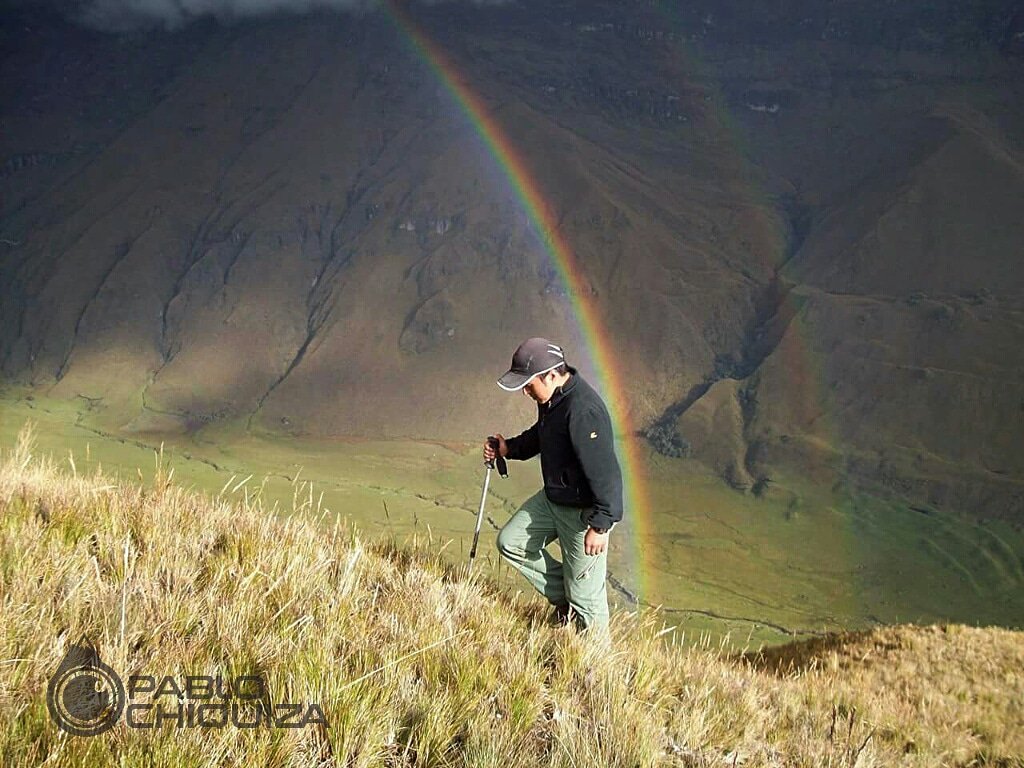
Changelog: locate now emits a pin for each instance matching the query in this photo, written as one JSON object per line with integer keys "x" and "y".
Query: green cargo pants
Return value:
{"x": 578, "y": 579}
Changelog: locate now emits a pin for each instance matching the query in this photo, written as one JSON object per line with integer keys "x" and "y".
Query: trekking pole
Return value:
{"x": 503, "y": 471}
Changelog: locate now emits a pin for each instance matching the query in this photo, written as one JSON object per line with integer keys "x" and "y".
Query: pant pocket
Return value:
{"x": 586, "y": 571}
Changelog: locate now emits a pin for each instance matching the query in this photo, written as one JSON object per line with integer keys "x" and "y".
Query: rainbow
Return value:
{"x": 602, "y": 354}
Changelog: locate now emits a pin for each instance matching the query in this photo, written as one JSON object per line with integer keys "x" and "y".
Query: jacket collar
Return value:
{"x": 565, "y": 390}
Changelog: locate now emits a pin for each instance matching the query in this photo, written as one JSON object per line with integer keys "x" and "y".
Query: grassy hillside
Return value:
{"x": 415, "y": 663}
{"x": 788, "y": 563}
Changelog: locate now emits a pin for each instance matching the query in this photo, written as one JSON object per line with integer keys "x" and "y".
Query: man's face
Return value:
{"x": 542, "y": 387}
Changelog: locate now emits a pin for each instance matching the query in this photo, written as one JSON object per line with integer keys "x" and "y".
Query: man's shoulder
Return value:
{"x": 587, "y": 398}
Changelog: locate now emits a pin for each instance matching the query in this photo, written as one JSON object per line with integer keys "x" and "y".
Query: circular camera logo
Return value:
{"x": 85, "y": 696}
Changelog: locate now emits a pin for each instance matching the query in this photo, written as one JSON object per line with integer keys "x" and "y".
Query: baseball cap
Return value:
{"x": 533, "y": 357}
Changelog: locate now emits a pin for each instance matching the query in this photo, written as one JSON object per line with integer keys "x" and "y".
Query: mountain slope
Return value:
{"x": 290, "y": 224}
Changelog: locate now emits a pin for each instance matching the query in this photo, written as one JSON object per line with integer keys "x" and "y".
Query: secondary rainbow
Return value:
{"x": 515, "y": 168}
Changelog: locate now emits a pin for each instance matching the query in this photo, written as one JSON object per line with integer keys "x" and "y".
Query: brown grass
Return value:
{"x": 414, "y": 663}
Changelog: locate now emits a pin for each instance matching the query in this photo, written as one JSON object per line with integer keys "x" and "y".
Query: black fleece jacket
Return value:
{"x": 573, "y": 436}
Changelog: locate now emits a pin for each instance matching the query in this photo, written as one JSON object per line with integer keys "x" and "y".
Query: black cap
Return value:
{"x": 534, "y": 357}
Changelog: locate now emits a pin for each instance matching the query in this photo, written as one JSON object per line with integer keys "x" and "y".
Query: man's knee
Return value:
{"x": 509, "y": 545}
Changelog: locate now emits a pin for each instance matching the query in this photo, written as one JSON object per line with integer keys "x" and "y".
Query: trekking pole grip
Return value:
{"x": 502, "y": 464}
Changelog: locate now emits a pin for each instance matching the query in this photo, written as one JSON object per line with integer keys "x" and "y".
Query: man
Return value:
{"x": 581, "y": 500}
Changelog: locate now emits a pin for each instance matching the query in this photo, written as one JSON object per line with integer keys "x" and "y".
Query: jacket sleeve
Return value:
{"x": 593, "y": 441}
{"x": 524, "y": 446}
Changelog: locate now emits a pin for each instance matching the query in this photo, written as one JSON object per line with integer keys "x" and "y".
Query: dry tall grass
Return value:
{"x": 414, "y": 663}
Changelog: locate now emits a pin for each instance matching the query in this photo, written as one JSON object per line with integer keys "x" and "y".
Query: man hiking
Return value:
{"x": 582, "y": 495}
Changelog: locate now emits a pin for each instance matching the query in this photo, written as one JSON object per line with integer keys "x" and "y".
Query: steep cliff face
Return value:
{"x": 291, "y": 223}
